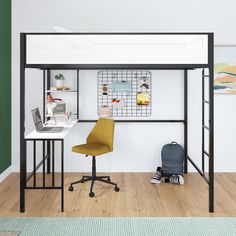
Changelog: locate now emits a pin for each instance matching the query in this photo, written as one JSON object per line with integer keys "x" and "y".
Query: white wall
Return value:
{"x": 137, "y": 146}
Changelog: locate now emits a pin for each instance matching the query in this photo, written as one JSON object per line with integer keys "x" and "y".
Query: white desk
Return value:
{"x": 49, "y": 136}
{"x": 48, "y": 154}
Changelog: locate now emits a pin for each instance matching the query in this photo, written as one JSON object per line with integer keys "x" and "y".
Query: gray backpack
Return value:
{"x": 172, "y": 157}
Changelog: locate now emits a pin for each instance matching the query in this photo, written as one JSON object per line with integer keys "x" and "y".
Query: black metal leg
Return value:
{"x": 34, "y": 150}
{"x": 211, "y": 144}
{"x": 185, "y": 121}
{"x": 22, "y": 122}
{"x": 53, "y": 163}
{"x": 62, "y": 175}
{"x": 43, "y": 163}
{"x": 49, "y": 156}
{"x": 23, "y": 159}
{"x": 211, "y": 121}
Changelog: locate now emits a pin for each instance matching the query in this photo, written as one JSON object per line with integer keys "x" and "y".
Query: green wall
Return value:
{"x": 5, "y": 84}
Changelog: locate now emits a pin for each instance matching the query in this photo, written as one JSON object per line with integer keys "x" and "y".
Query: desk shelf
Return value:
{"x": 72, "y": 82}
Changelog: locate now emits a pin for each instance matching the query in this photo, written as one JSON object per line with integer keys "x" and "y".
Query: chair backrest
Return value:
{"x": 102, "y": 133}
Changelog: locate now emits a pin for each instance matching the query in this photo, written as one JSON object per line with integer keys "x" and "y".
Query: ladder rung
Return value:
{"x": 205, "y": 127}
{"x": 204, "y": 101}
{"x": 205, "y": 76}
{"x": 206, "y": 153}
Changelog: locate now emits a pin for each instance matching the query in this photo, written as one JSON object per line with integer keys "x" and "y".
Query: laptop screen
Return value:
{"x": 37, "y": 119}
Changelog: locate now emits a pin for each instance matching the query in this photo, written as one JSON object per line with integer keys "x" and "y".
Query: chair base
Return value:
{"x": 104, "y": 179}
{"x": 93, "y": 178}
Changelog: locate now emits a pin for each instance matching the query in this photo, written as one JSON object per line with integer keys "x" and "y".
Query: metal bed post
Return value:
{"x": 22, "y": 122}
{"x": 185, "y": 121}
{"x": 211, "y": 121}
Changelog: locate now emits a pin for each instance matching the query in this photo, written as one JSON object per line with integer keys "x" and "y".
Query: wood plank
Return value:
{"x": 137, "y": 197}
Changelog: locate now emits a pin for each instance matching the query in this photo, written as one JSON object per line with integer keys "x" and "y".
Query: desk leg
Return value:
{"x": 62, "y": 175}
{"x": 23, "y": 159}
{"x": 43, "y": 163}
{"x": 53, "y": 164}
{"x": 49, "y": 156}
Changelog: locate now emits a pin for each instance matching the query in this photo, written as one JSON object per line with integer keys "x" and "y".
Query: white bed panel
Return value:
{"x": 117, "y": 49}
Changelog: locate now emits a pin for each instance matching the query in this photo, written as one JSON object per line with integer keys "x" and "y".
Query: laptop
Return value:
{"x": 39, "y": 124}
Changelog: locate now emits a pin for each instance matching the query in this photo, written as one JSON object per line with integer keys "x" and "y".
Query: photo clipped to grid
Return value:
{"x": 124, "y": 93}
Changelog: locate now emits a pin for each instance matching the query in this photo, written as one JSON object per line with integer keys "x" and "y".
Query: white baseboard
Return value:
{"x": 5, "y": 173}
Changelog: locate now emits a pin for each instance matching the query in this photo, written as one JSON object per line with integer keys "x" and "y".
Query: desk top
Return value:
{"x": 60, "y": 135}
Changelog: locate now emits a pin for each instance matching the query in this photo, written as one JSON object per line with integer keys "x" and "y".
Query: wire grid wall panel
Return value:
{"x": 139, "y": 83}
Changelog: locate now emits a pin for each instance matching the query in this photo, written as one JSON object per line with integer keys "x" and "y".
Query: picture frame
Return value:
{"x": 225, "y": 69}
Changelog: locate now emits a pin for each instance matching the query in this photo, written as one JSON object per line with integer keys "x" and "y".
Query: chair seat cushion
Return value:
{"x": 91, "y": 149}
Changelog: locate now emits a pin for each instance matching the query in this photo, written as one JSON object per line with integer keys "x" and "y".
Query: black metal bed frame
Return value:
{"x": 185, "y": 67}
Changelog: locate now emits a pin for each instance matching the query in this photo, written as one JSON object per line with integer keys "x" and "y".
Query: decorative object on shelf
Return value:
{"x": 68, "y": 116}
{"x": 105, "y": 111}
{"x": 60, "y": 81}
{"x": 127, "y": 93}
{"x": 143, "y": 98}
{"x": 55, "y": 106}
{"x": 225, "y": 69}
{"x": 51, "y": 104}
{"x": 60, "y": 107}
{"x": 66, "y": 88}
{"x": 53, "y": 88}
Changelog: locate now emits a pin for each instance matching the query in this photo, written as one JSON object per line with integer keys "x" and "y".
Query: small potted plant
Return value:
{"x": 60, "y": 81}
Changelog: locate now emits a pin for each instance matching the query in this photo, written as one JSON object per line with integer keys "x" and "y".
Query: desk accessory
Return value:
{"x": 55, "y": 106}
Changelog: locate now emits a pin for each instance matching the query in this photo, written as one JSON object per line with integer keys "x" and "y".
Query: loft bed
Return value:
{"x": 130, "y": 51}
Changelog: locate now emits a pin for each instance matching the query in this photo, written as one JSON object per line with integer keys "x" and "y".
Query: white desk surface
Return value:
{"x": 60, "y": 135}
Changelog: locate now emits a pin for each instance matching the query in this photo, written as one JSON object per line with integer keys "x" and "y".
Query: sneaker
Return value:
{"x": 157, "y": 177}
{"x": 175, "y": 179}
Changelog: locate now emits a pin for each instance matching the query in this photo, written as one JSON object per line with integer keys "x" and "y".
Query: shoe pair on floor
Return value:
{"x": 174, "y": 179}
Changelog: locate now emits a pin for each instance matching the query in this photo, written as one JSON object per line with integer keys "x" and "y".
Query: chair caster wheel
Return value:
{"x": 71, "y": 188}
{"x": 108, "y": 180}
{"x": 91, "y": 194}
{"x": 117, "y": 189}
{"x": 82, "y": 181}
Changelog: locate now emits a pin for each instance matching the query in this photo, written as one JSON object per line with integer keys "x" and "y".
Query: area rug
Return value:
{"x": 100, "y": 226}
{"x": 9, "y": 233}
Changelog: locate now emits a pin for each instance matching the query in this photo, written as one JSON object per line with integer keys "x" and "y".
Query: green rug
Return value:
{"x": 142, "y": 226}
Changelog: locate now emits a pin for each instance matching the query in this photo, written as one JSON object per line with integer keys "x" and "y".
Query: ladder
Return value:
{"x": 209, "y": 127}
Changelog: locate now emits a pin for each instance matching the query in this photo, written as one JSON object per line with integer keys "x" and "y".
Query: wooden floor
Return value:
{"x": 137, "y": 197}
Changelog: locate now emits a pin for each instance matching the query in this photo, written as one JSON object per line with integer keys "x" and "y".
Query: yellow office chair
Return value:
{"x": 99, "y": 141}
